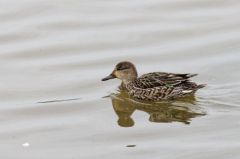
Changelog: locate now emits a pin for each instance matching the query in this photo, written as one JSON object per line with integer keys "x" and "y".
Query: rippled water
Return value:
{"x": 54, "y": 53}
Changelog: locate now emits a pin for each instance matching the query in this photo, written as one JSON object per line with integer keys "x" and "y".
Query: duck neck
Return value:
{"x": 129, "y": 80}
{"x": 132, "y": 76}
{"x": 126, "y": 82}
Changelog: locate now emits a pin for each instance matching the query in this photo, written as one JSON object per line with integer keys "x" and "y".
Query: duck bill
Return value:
{"x": 111, "y": 76}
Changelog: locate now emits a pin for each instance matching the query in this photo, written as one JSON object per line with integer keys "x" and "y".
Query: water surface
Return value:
{"x": 54, "y": 53}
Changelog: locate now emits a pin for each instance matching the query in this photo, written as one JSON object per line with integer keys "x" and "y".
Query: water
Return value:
{"x": 54, "y": 53}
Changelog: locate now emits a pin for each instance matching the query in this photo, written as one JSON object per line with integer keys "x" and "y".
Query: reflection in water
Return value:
{"x": 165, "y": 112}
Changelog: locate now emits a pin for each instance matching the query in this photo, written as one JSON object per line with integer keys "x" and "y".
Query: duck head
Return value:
{"x": 125, "y": 71}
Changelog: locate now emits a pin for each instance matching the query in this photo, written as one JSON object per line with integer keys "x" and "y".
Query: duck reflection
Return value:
{"x": 165, "y": 112}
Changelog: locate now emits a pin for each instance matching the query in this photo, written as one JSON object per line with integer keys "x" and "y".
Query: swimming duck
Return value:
{"x": 153, "y": 86}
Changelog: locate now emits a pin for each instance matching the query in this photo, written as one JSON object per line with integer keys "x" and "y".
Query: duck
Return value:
{"x": 154, "y": 86}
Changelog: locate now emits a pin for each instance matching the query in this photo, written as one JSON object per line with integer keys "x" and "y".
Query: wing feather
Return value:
{"x": 157, "y": 79}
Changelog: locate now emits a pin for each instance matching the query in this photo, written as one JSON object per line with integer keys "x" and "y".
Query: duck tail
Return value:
{"x": 201, "y": 86}
{"x": 191, "y": 75}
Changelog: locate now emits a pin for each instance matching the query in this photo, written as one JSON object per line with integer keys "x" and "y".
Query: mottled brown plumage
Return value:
{"x": 153, "y": 86}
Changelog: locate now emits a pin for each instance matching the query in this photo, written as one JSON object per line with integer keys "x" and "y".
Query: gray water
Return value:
{"x": 53, "y": 55}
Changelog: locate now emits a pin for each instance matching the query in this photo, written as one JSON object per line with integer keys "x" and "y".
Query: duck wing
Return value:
{"x": 157, "y": 79}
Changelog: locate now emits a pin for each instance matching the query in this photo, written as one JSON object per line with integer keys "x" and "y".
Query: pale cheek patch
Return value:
{"x": 118, "y": 75}
{"x": 121, "y": 75}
